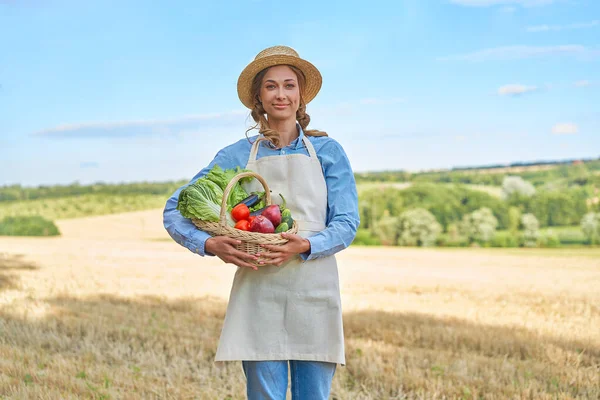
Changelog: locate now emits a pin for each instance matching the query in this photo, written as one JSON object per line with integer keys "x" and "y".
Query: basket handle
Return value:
{"x": 231, "y": 184}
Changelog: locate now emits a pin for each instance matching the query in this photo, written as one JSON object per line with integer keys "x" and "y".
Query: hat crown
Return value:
{"x": 277, "y": 50}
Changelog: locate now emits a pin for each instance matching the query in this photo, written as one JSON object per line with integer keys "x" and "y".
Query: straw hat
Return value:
{"x": 278, "y": 55}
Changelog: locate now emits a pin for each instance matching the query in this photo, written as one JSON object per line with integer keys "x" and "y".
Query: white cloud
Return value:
{"x": 583, "y": 83}
{"x": 488, "y": 3}
{"x": 460, "y": 138}
{"x": 565, "y": 128}
{"x": 515, "y": 89}
{"x": 142, "y": 127}
{"x": 546, "y": 28}
{"x": 520, "y": 52}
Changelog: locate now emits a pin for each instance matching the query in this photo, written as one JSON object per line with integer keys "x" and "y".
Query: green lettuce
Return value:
{"x": 222, "y": 178}
{"x": 202, "y": 200}
{"x": 261, "y": 204}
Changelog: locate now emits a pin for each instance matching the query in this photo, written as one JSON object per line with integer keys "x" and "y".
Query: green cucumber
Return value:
{"x": 282, "y": 227}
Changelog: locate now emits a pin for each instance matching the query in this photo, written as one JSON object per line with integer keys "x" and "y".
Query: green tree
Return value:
{"x": 479, "y": 226}
{"x": 514, "y": 219}
{"x": 516, "y": 186}
{"x": 386, "y": 230}
{"x": 449, "y": 203}
{"x": 590, "y": 225}
{"x": 418, "y": 227}
{"x": 531, "y": 230}
{"x": 559, "y": 208}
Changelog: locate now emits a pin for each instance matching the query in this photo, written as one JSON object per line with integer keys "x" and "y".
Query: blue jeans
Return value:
{"x": 268, "y": 380}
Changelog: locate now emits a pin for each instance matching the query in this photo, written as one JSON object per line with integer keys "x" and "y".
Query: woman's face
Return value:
{"x": 279, "y": 93}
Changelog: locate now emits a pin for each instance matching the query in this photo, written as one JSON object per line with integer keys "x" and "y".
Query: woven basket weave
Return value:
{"x": 251, "y": 241}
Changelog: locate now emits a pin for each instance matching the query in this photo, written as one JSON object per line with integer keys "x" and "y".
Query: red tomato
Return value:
{"x": 240, "y": 212}
{"x": 251, "y": 218}
{"x": 243, "y": 225}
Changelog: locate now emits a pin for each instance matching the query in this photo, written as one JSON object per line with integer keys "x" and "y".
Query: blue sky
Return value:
{"x": 121, "y": 91}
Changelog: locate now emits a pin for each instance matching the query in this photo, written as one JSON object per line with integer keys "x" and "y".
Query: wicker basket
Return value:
{"x": 251, "y": 241}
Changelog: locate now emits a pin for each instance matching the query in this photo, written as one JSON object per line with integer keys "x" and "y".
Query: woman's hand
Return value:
{"x": 280, "y": 254}
{"x": 224, "y": 248}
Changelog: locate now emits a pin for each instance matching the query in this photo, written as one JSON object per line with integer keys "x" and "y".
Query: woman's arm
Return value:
{"x": 342, "y": 204}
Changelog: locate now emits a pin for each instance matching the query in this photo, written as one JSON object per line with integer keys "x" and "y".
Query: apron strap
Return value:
{"x": 254, "y": 150}
{"x": 309, "y": 147}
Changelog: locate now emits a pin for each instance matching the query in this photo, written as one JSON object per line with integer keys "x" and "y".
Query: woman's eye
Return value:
{"x": 290, "y": 85}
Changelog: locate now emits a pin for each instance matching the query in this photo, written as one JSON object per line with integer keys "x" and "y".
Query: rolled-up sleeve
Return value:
{"x": 181, "y": 229}
{"x": 342, "y": 204}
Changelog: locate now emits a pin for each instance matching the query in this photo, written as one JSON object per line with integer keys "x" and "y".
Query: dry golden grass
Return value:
{"x": 112, "y": 310}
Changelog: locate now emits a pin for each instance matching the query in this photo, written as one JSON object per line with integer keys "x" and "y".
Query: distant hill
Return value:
{"x": 564, "y": 172}
{"x": 523, "y": 166}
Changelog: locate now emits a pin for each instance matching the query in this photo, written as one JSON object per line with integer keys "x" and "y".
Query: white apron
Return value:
{"x": 291, "y": 312}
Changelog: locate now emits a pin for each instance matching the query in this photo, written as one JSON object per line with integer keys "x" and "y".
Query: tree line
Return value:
{"x": 432, "y": 214}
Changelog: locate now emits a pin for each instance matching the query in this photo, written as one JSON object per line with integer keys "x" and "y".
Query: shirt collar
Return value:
{"x": 296, "y": 142}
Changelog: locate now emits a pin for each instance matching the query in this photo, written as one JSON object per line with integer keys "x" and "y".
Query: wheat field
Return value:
{"x": 114, "y": 309}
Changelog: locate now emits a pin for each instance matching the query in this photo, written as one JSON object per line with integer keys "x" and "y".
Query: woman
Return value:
{"x": 288, "y": 310}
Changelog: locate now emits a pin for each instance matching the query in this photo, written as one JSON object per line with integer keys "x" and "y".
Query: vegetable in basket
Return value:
{"x": 240, "y": 212}
{"x": 251, "y": 200}
{"x": 202, "y": 200}
{"x": 286, "y": 217}
{"x": 222, "y": 178}
{"x": 262, "y": 224}
{"x": 269, "y": 219}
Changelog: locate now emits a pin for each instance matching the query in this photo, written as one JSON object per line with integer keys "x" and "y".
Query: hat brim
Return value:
{"x": 311, "y": 74}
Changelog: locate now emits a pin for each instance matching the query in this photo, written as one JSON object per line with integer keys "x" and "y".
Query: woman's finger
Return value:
{"x": 243, "y": 255}
{"x": 273, "y": 247}
{"x": 271, "y": 255}
{"x": 231, "y": 241}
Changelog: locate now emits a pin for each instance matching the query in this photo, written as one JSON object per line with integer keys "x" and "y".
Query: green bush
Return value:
{"x": 418, "y": 227}
{"x": 28, "y": 226}
{"x": 558, "y": 208}
{"x": 376, "y": 203}
{"x": 505, "y": 239}
{"x": 590, "y": 227}
{"x": 386, "y": 230}
{"x": 449, "y": 203}
{"x": 572, "y": 237}
{"x": 447, "y": 240}
{"x": 479, "y": 226}
{"x": 365, "y": 238}
{"x": 548, "y": 239}
{"x": 514, "y": 219}
{"x": 531, "y": 230}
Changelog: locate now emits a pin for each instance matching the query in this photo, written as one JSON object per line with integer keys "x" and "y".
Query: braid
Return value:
{"x": 304, "y": 119}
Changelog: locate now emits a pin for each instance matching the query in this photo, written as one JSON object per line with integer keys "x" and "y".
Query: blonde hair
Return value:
{"x": 258, "y": 112}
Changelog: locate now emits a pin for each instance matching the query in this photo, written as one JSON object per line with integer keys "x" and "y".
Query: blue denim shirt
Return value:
{"x": 342, "y": 199}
